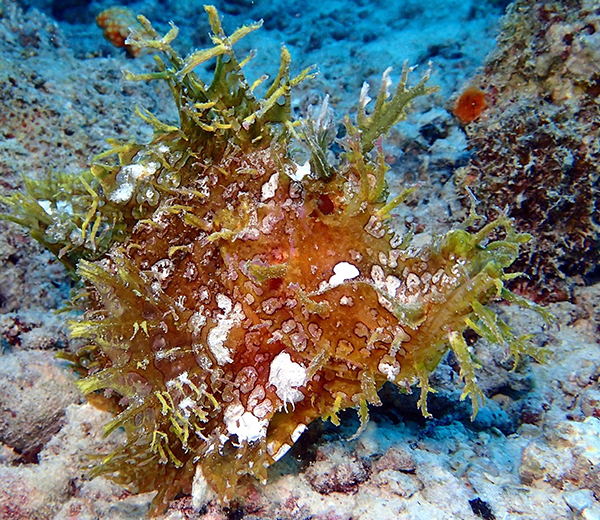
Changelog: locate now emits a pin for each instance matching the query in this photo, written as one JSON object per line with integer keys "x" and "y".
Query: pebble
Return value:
{"x": 579, "y": 500}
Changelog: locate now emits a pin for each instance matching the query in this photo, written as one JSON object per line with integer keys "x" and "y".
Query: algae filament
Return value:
{"x": 232, "y": 296}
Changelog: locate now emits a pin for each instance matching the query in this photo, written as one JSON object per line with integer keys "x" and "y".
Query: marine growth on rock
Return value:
{"x": 536, "y": 153}
{"x": 233, "y": 293}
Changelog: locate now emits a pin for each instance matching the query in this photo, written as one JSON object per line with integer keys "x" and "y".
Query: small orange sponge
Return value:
{"x": 115, "y": 22}
{"x": 469, "y": 105}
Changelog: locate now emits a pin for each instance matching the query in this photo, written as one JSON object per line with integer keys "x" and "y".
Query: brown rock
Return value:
{"x": 326, "y": 477}
{"x": 34, "y": 392}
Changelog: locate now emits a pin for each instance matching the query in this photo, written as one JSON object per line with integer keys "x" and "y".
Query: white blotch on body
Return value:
{"x": 127, "y": 180}
{"x": 217, "y": 336}
{"x": 270, "y": 187}
{"x": 286, "y": 376}
{"x": 343, "y": 271}
{"x": 244, "y": 424}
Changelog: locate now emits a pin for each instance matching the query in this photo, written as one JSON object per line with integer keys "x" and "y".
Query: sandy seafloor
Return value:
{"x": 533, "y": 452}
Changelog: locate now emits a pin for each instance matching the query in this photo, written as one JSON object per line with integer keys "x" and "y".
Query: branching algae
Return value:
{"x": 233, "y": 296}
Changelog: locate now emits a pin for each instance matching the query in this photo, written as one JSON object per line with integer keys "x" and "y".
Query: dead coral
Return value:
{"x": 536, "y": 149}
{"x": 326, "y": 476}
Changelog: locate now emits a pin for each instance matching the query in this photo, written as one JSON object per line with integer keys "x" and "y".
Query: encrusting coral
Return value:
{"x": 231, "y": 296}
{"x": 469, "y": 105}
{"x": 536, "y": 148}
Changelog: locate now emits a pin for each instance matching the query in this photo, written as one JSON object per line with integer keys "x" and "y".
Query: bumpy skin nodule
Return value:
{"x": 245, "y": 296}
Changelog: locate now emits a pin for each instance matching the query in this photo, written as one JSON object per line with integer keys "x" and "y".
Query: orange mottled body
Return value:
{"x": 233, "y": 296}
{"x": 115, "y": 23}
{"x": 246, "y": 307}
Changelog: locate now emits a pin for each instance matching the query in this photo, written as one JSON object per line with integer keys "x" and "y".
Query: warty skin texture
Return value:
{"x": 246, "y": 296}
